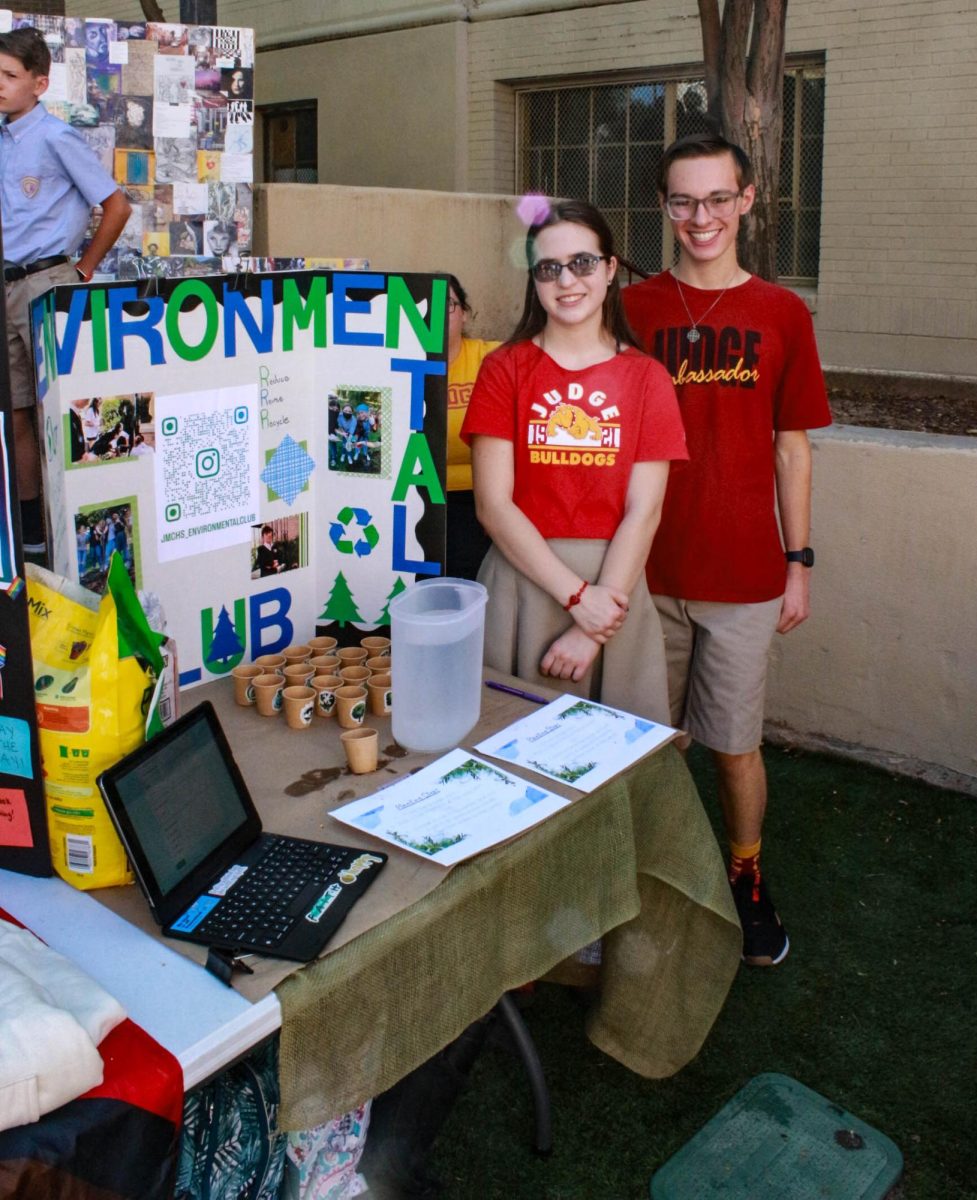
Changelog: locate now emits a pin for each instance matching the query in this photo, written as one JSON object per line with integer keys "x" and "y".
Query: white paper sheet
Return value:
{"x": 577, "y": 742}
{"x": 452, "y": 809}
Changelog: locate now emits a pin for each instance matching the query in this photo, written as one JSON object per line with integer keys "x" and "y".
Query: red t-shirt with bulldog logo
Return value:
{"x": 575, "y": 434}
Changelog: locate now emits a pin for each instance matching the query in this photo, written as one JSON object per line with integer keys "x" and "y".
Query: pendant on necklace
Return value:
{"x": 692, "y": 335}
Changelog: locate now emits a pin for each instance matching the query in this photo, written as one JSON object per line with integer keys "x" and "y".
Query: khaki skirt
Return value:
{"x": 522, "y": 622}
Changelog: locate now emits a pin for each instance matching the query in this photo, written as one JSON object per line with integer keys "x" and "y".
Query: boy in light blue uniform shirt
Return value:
{"x": 50, "y": 180}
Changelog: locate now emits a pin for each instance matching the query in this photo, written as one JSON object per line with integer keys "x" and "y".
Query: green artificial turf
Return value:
{"x": 875, "y": 878}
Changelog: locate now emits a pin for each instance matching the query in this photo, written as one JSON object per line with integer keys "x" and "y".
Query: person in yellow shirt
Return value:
{"x": 467, "y": 541}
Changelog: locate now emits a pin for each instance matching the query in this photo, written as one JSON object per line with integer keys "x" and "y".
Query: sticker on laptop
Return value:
{"x": 328, "y": 896}
{"x": 195, "y": 914}
{"x": 361, "y": 863}
{"x": 228, "y": 880}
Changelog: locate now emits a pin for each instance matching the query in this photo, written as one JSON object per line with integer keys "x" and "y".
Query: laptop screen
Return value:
{"x": 181, "y": 800}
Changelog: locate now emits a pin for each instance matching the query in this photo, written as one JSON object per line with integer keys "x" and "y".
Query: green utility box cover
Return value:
{"x": 778, "y": 1140}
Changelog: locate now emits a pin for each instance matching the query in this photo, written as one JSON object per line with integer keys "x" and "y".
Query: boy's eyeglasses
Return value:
{"x": 548, "y": 270}
{"x": 719, "y": 204}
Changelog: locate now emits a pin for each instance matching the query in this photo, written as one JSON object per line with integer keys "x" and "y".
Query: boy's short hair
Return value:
{"x": 705, "y": 145}
{"x": 29, "y": 48}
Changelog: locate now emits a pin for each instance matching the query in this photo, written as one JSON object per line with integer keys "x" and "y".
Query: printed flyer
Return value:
{"x": 265, "y": 452}
{"x": 577, "y": 741}
{"x": 452, "y": 809}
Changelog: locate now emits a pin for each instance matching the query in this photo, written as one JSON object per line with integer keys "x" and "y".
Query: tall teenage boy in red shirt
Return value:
{"x": 743, "y": 358}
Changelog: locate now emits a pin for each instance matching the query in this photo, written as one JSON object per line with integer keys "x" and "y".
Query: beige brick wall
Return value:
{"x": 432, "y": 106}
{"x": 898, "y": 255}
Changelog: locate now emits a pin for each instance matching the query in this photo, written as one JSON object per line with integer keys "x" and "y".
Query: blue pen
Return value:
{"x": 504, "y": 687}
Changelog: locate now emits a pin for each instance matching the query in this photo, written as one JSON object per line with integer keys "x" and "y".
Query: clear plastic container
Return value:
{"x": 437, "y": 628}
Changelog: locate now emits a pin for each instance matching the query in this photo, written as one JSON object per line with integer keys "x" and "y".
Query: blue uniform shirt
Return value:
{"x": 50, "y": 179}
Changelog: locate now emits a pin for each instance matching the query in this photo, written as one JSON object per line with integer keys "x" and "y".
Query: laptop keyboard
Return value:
{"x": 280, "y": 887}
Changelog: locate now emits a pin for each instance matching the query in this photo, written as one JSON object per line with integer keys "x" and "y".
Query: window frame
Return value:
{"x": 670, "y": 79}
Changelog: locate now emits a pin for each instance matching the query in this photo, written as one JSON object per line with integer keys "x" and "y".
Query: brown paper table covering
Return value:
{"x": 427, "y": 952}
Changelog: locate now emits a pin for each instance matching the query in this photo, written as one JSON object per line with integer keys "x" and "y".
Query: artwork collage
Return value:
{"x": 169, "y": 111}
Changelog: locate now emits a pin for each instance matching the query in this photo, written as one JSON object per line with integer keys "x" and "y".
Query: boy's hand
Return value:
{"x": 570, "y": 656}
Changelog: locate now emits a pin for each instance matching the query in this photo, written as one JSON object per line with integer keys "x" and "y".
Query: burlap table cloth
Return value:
{"x": 637, "y": 858}
{"x": 426, "y": 952}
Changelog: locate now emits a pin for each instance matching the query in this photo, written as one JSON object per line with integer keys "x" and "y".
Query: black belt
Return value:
{"x": 12, "y": 274}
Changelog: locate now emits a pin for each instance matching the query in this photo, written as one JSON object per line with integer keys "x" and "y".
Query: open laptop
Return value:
{"x": 210, "y": 875}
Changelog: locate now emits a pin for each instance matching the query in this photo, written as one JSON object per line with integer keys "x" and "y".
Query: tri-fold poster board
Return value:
{"x": 265, "y": 451}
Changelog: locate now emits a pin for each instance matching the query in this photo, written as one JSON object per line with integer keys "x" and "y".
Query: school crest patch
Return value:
{"x": 30, "y": 185}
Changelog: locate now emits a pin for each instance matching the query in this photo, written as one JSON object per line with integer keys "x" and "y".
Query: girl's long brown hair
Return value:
{"x": 533, "y": 319}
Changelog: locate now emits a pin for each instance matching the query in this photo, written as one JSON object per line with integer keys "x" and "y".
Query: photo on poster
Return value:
{"x": 220, "y": 240}
{"x": 134, "y": 167}
{"x": 200, "y": 40}
{"x": 209, "y": 166}
{"x": 155, "y": 247}
{"x": 99, "y": 530}
{"x": 176, "y": 160}
{"x": 75, "y": 82}
{"x": 138, "y": 74}
{"x": 210, "y": 124}
{"x": 74, "y": 32}
{"x": 107, "y": 429}
{"x": 357, "y": 417}
{"x": 101, "y": 138}
{"x": 280, "y": 545}
{"x": 186, "y": 237}
{"x": 237, "y": 83}
{"x": 171, "y": 39}
{"x": 100, "y": 87}
{"x": 173, "y": 79}
{"x": 130, "y": 31}
{"x": 239, "y": 140}
{"x": 221, "y": 198}
{"x": 97, "y": 35}
{"x": 132, "y": 117}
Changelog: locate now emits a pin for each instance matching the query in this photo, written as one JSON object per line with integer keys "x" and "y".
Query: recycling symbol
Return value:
{"x": 339, "y": 532}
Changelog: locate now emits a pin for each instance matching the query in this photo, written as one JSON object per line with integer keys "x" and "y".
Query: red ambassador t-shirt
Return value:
{"x": 754, "y": 371}
{"x": 575, "y": 434}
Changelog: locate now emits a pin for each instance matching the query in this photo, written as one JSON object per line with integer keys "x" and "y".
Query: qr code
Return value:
{"x": 206, "y": 462}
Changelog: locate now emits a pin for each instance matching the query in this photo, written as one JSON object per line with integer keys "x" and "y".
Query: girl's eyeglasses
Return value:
{"x": 548, "y": 270}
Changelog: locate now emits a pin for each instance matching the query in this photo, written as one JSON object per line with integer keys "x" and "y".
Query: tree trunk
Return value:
{"x": 743, "y": 53}
{"x": 152, "y": 11}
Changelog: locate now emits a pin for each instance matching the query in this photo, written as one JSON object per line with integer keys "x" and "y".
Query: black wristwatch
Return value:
{"x": 805, "y": 557}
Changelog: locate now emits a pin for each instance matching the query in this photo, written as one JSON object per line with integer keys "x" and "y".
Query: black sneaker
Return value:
{"x": 765, "y": 940}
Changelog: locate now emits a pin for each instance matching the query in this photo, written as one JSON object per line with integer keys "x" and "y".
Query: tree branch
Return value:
{"x": 152, "y": 11}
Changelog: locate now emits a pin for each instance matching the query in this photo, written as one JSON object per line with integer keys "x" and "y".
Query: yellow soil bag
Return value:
{"x": 96, "y": 663}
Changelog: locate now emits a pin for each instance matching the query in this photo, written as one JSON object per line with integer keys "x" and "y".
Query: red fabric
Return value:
{"x": 755, "y": 371}
{"x": 576, "y": 434}
{"x": 141, "y": 1072}
{"x": 137, "y": 1069}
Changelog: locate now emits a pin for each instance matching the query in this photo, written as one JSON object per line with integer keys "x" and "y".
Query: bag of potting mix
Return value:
{"x": 97, "y": 675}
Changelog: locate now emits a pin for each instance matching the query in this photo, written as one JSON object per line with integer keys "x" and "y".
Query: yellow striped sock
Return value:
{"x": 743, "y": 859}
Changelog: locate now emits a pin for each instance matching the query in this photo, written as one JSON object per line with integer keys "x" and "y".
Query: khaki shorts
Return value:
{"x": 717, "y": 668}
{"x": 19, "y": 294}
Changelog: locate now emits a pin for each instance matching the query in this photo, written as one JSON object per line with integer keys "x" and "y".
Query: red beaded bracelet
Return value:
{"x": 575, "y": 598}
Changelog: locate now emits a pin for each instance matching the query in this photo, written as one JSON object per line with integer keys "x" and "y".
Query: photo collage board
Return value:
{"x": 169, "y": 111}
{"x": 266, "y": 452}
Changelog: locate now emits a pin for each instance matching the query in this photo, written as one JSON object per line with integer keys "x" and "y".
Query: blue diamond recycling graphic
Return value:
{"x": 288, "y": 469}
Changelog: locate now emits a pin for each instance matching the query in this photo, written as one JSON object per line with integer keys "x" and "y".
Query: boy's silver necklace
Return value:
{"x": 692, "y": 335}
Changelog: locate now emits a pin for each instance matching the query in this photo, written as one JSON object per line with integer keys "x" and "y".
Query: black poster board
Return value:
{"x": 23, "y": 821}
